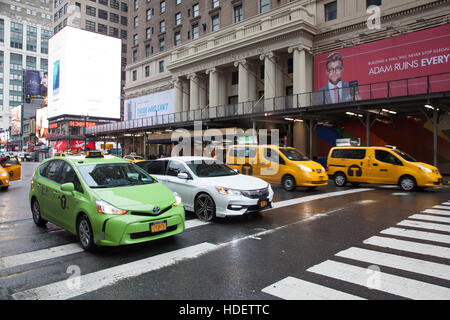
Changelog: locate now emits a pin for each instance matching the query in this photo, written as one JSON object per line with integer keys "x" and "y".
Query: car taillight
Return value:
{"x": 327, "y": 167}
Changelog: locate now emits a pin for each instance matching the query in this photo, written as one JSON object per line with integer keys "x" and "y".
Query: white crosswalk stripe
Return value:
{"x": 424, "y": 225}
{"x": 409, "y": 246}
{"x": 61, "y": 251}
{"x": 292, "y": 288}
{"x": 433, "y": 269}
{"x": 96, "y": 280}
{"x": 381, "y": 281}
{"x": 421, "y": 235}
{"x": 435, "y": 211}
{"x": 429, "y": 218}
{"x": 441, "y": 207}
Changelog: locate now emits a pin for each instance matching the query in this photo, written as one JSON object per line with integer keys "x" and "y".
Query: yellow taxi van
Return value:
{"x": 10, "y": 170}
{"x": 278, "y": 165}
{"x": 380, "y": 165}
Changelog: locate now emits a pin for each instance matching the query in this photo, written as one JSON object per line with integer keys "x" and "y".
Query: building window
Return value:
{"x": 134, "y": 55}
{"x": 123, "y": 34}
{"x": 195, "y": 10}
{"x": 178, "y": 18}
{"x": 31, "y": 38}
{"x": 102, "y": 14}
{"x": 148, "y": 33}
{"x": 177, "y": 38}
{"x": 124, "y": 7}
{"x": 234, "y": 78}
{"x": 330, "y": 11}
{"x": 147, "y": 71}
{"x": 149, "y": 14}
{"x": 215, "y": 3}
{"x": 136, "y": 4}
{"x": 90, "y": 25}
{"x": 264, "y": 6}
{"x": 147, "y": 50}
{"x": 373, "y": 3}
{"x": 135, "y": 39}
{"x": 195, "y": 31}
{"x": 162, "y": 44}
{"x": 177, "y": 2}
{"x": 161, "y": 66}
{"x": 290, "y": 65}
{"x": 113, "y": 17}
{"x": 134, "y": 75}
{"x": 16, "y": 34}
{"x": 91, "y": 11}
{"x": 123, "y": 20}
{"x": 238, "y": 13}
{"x": 102, "y": 28}
{"x": 162, "y": 26}
{"x": 162, "y": 6}
{"x": 114, "y": 4}
{"x": 136, "y": 21}
{"x": 215, "y": 23}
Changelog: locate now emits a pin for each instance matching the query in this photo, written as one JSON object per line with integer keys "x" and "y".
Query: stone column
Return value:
{"x": 178, "y": 87}
{"x": 213, "y": 91}
{"x": 194, "y": 92}
{"x": 269, "y": 80}
{"x": 243, "y": 80}
{"x": 186, "y": 90}
{"x": 300, "y": 76}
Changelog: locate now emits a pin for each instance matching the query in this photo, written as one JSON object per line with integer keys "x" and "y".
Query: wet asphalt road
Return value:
{"x": 240, "y": 258}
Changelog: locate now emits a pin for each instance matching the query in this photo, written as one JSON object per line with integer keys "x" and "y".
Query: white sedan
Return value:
{"x": 209, "y": 188}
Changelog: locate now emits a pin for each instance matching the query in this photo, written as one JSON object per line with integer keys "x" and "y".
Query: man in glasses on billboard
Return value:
{"x": 336, "y": 90}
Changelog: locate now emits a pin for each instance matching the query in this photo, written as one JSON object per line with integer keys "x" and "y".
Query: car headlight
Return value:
{"x": 4, "y": 174}
{"x": 106, "y": 208}
{"x": 177, "y": 199}
{"x": 226, "y": 191}
{"x": 304, "y": 168}
{"x": 425, "y": 169}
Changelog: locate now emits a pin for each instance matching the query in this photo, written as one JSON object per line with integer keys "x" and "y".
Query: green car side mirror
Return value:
{"x": 67, "y": 187}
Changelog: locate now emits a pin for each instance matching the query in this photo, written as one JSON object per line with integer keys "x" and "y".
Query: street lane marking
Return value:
{"x": 392, "y": 284}
{"x": 106, "y": 277}
{"x": 433, "y": 269}
{"x": 441, "y": 212}
{"x": 424, "y": 225}
{"x": 291, "y": 202}
{"x": 442, "y": 207}
{"x": 446, "y": 203}
{"x": 291, "y": 288}
{"x": 60, "y": 251}
{"x": 429, "y": 236}
{"x": 39, "y": 255}
{"x": 429, "y": 218}
{"x": 409, "y": 246}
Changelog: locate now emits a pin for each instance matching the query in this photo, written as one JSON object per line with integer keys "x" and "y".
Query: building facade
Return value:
{"x": 25, "y": 27}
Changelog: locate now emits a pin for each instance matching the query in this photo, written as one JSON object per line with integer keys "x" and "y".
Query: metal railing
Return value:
{"x": 381, "y": 90}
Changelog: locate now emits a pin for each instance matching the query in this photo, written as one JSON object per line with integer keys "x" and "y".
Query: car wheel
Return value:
{"x": 340, "y": 179}
{"x": 36, "y": 211}
{"x": 85, "y": 233}
{"x": 408, "y": 183}
{"x": 288, "y": 183}
{"x": 205, "y": 208}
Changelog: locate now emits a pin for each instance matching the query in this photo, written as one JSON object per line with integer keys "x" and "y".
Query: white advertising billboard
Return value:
{"x": 154, "y": 104}
{"x": 84, "y": 74}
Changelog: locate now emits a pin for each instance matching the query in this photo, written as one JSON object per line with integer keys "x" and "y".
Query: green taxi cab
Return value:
{"x": 104, "y": 200}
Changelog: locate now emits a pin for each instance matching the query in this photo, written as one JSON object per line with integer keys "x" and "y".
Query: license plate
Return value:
{"x": 263, "y": 203}
{"x": 158, "y": 226}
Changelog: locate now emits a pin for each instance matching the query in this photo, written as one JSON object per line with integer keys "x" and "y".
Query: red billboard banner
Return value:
{"x": 346, "y": 73}
{"x": 73, "y": 145}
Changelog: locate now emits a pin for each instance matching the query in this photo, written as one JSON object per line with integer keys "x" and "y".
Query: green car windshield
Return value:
{"x": 111, "y": 175}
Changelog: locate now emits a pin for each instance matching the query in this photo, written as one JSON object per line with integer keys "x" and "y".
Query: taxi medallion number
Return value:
{"x": 158, "y": 226}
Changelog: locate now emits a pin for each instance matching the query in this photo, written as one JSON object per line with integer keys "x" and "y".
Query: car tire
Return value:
{"x": 288, "y": 183}
{"x": 407, "y": 183}
{"x": 204, "y": 207}
{"x": 36, "y": 212}
{"x": 85, "y": 233}
{"x": 340, "y": 180}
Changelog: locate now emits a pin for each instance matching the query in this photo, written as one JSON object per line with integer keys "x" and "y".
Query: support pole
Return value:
{"x": 435, "y": 127}
{"x": 368, "y": 129}
{"x": 311, "y": 128}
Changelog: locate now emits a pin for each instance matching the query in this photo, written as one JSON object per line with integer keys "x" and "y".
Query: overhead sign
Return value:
{"x": 154, "y": 104}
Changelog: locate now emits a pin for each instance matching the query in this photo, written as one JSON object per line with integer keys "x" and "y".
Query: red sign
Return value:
{"x": 79, "y": 144}
{"x": 53, "y": 125}
{"x": 82, "y": 124}
{"x": 61, "y": 145}
{"x": 416, "y": 54}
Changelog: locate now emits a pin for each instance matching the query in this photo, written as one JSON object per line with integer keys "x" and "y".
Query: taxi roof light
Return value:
{"x": 94, "y": 154}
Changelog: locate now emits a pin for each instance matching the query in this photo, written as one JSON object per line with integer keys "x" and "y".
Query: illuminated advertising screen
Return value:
{"x": 41, "y": 124}
{"x": 84, "y": 74}
{"x": 16, "y": 120}
{"x": 36, "y": 83}
{"x": 363, "y": 71}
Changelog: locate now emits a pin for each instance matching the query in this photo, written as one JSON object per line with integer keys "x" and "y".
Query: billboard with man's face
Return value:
{"x": 347, "y": 73}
